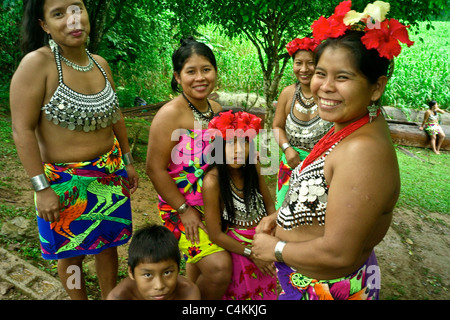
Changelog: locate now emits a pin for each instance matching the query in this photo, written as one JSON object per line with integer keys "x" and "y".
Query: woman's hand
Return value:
{"x": 48, "y": 205}
{"x": 267, "y": 224}
{"x": 263, "y": 247}
{"x": 292, "y": 157}
{"x": 267, "y": 268}
{"x": 133, "y": 178}
{"x": 191, "y": 222}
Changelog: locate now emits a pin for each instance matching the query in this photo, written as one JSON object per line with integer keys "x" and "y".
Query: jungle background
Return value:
{"x": 249, "y": 37}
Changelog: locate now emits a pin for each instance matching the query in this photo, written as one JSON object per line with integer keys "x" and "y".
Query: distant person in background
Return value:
{"x": 153, "y": 267}
{"x": 297, "y": 123}
{"x": 177, "y": 160}
{"x": 72, "y": 141}
{"x": 431, "y": 126}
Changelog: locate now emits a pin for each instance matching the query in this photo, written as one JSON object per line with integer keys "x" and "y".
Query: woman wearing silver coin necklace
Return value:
{"x": 72, "y": 141}
{"x": 297, "y": 125}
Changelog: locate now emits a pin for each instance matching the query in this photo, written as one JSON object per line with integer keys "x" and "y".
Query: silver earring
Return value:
{"x": 373, "y": 110}
{"x": 52, "y": 43}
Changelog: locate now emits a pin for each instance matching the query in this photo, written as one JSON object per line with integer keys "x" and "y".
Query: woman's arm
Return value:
{"x": 213, "y": 213}
{"x": 279, "y": 125}
{"x": 159, "y": 150}
{"x": 281, "y": 113}
{"x": 425, "y": 118}
{"x": 269, "y": 204}
{"x": 26, "y": 98}
{"x": 120, "y": 130}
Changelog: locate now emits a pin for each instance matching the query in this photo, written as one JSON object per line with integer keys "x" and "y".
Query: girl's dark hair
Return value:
{"x": 249, "y": 172}
{"x": 153, "y": 244}
{"x": 432, "y": 103}
{"x": 189, "y": 47}
{"x": 367, "y": 61}
{"x": 33, "y": 37}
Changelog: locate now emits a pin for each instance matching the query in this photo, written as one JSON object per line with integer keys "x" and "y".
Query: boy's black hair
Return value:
{"x": 153, "y": 243}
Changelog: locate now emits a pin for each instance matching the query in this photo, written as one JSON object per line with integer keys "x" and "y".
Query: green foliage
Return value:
{"x": 138, "y": 48}
{"x": 422, "y": 71}
{"x": 10, "y": 13}
{"x": 237, "y": 60}
{"x": 424, "y": 183}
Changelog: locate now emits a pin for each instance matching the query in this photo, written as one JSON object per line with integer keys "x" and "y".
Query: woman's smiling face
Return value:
{"x": 304, "y": 66}
{"x": 197, "y": 77}
{"x": 341, "y": 91}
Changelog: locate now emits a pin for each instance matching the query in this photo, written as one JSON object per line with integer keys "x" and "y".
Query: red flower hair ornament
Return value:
{"x": 305, "y": 43}
{"x": 384, "y": 35}
{"x": 238, "y": 124}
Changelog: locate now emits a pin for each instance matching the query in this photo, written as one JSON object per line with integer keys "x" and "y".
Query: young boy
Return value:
{"x": 153, "y": 267}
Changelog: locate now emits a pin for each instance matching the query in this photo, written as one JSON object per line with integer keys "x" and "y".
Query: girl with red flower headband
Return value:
{"x": 340, "y": 200}
{"x": 297, "y": 125}
{"x": 236, "y": 198}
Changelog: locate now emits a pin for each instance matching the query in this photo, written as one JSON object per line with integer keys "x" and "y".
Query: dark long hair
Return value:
{"x": 33, "y": 37}
{"x": 369, "y": 62}
{"x": 188, "y": 48}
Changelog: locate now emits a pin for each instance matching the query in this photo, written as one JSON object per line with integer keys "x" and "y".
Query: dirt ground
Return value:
{"x": 413, "y": 257}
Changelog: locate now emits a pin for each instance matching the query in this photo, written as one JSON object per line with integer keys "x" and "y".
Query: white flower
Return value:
{"x": 376, "y": 11}
{"x": 352, "y": 17}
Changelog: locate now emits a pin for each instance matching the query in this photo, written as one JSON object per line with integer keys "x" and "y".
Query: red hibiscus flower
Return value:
{"x": 306, "y": 43}
{"x": 240, "y": 123}
{"x": 342, "y": 9}
{"x": 245, "y": 122}
{"x": 334, "y": 26}
{"x": 385, "y": 39}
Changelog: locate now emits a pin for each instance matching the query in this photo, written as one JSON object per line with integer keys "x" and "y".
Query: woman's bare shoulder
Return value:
{"x": 38, "y": 60}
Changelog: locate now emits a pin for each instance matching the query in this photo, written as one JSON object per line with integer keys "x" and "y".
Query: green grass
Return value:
{"x": 422, "y": 71}
{"x": 425, "y": 184}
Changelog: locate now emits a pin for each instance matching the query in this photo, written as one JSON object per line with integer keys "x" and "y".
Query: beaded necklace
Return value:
{"x": 203, "y": 117}
{"x": 331, "y": 138}
{"x": 304, "y": 105}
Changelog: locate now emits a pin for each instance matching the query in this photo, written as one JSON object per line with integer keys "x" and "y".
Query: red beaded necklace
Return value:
{"x": 331, "y": 138}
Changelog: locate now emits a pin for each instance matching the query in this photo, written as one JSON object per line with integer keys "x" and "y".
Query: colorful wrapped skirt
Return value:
{"x": 95, "y": 201}
{"x": 433, "y": 129}
{"x": 247, "y": 281}
{"x": 284, "y": 174}
{"x": 189, "y": 161}
{"x": 363, "y": 284}
{"x": 192, "y": 253}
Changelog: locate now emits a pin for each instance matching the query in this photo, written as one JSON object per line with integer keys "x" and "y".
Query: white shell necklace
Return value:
{"x": 71, "y": 64}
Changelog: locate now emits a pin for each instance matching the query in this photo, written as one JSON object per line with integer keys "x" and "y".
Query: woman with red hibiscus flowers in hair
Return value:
{"x": 297, "y": 125}
{"x": 236, "y": 198}
{"x": 340, "y": 199}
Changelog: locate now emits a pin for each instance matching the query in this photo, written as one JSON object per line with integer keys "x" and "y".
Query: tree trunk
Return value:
{"x": 97, "y": 16}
